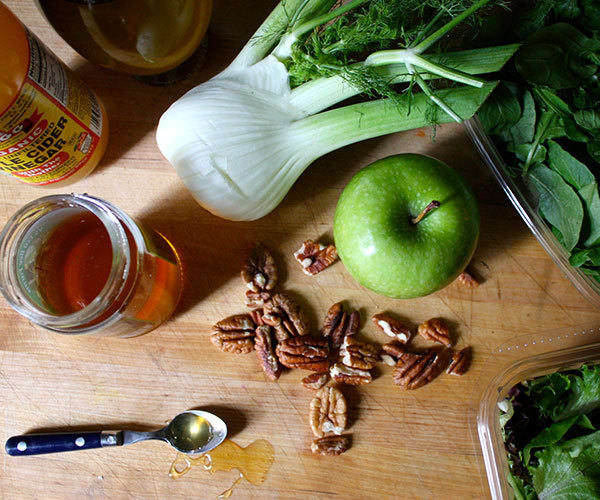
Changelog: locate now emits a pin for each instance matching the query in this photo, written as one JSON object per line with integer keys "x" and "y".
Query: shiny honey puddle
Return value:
{"x": 253, "y": 462}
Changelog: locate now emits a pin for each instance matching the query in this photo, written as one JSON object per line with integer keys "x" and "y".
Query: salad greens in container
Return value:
{"x": 539, "y": 426}
{"x": 543, "y": 131}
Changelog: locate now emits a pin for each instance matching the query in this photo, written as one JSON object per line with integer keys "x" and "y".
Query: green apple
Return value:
{"x": 393, "y": 239}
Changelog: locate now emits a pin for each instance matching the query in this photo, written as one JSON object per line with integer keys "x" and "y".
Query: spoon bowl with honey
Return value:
{"x": 192, "y": 432}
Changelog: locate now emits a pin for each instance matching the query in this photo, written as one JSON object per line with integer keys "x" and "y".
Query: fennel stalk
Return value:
{"x": 240, "y": 140}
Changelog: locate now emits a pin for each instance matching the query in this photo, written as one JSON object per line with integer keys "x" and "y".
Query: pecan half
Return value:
{"x": 314, "y": 257}
{"x": 467, "y": 280}
{"x": 460, "y": 361}
{"x": 414, "y": 370}
{"x": 339, "y": 324}
{"x": 392, "y": 327}
{"x": 359, "y": 355}
{"x": 234, "y": 334}
{"x": 306, "y": 352}
{"x": 285, "y": 316}
{"x": 392, "y": 352}
{"x": 350, "y": 376}
{"x": 256, "y": 300}
{"x": 435, "y": 330}
{"x": 260, "y": 272}
{"x": 265, "y": 350}
{"x": 256, "y": 316}
{"x": 330, "y": 445}
{"x": 328, "y": 412}
{"x": 315, "y": 381}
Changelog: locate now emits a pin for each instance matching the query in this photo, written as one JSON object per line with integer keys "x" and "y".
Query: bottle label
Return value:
{"x": 54, "y": 124}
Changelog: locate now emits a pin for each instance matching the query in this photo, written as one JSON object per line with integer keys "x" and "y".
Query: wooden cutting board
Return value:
{"x": 419, "y": 444}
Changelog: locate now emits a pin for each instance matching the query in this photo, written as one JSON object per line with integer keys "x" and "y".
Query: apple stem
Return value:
{"x": 432, "y": 206}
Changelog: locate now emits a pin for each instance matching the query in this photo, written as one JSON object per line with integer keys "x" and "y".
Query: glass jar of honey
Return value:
{"x": 76, "y": 264}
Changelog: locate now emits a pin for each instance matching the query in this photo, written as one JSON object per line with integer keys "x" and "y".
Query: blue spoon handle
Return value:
{"x": 39, "y": 444}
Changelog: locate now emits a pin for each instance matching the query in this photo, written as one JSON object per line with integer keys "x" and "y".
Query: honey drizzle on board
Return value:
{"x": 253, "y": 462}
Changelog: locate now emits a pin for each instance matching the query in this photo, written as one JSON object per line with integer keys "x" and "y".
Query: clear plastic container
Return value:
{"x": 515, "y": 191}
{"x": 525, "y": 358}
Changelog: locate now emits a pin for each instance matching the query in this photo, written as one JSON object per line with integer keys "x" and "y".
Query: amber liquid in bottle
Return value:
{"x": 139, "y": 37}
{"x": 253, "y": 462}
{"x": 74, "y": 263}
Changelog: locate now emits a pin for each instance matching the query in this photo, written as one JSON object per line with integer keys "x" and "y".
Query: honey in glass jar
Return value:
{"x": 76, "y": 264}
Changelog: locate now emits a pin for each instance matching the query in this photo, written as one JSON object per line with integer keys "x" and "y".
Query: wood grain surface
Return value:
{"x": 419, "y": 444}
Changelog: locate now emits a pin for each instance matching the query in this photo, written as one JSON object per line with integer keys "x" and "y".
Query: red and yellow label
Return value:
{"x": 54, "y": 124}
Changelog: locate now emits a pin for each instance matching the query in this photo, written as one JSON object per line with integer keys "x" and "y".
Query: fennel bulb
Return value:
{"x": 240, "y": 140}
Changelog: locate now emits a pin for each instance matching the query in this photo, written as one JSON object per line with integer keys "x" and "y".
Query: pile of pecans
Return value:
{"x": 276, "y": 329}
{"x": 415, "y": 369}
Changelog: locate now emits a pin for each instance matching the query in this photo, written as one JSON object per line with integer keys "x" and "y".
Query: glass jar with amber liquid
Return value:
{"x": 138, "y": 37}
{"x": 76, "y": 264}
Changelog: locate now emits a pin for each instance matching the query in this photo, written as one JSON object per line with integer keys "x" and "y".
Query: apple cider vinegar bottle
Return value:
{"x": 53, "y": 129}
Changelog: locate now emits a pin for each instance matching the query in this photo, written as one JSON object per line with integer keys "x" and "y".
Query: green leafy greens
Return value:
{"x": 545, "y": 117}
{"x": 550, "y": 430}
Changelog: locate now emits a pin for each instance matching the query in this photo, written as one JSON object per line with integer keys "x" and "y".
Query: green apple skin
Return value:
{"x": 379, "y": 245}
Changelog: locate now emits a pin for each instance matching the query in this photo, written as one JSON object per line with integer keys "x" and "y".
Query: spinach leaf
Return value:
{"x": 552, "y": 101}
{"x": 590, "y": 232}
{"x": 591, "y": 14}
{"x": 500, "y": 111}
{"x": 574, "y": 131}
{"x": 563, "y": 110}
{"x": 580, "y": 257}
{"x": 569, "y": 168}
{"x": 570, "y": 470}
{"x": 593, "y": 149}
{"x": 559, "y": 56}
{"x": 532, "y": 20}
{"x": 551, "y": 125}
{"x": 525, "y": 152}
{"x": 548, "y": 126}
{"x": 557, "y": 202}
{"x": 567, "y": 9}
{"x": 591, "y": 272}
{"x": 524, "y": 130}
{"x": 588, "y": 119}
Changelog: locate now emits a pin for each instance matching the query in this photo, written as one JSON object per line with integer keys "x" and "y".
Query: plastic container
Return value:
{"x": 525, "y": 358}
{"x": 75, "y": 264}
{"x": 516, "y": 193}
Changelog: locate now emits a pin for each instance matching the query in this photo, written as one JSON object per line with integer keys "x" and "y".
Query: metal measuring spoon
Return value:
{"x": 191, "y": 432}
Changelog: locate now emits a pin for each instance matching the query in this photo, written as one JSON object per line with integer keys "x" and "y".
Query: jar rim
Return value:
{"x": 112, "y": 219}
